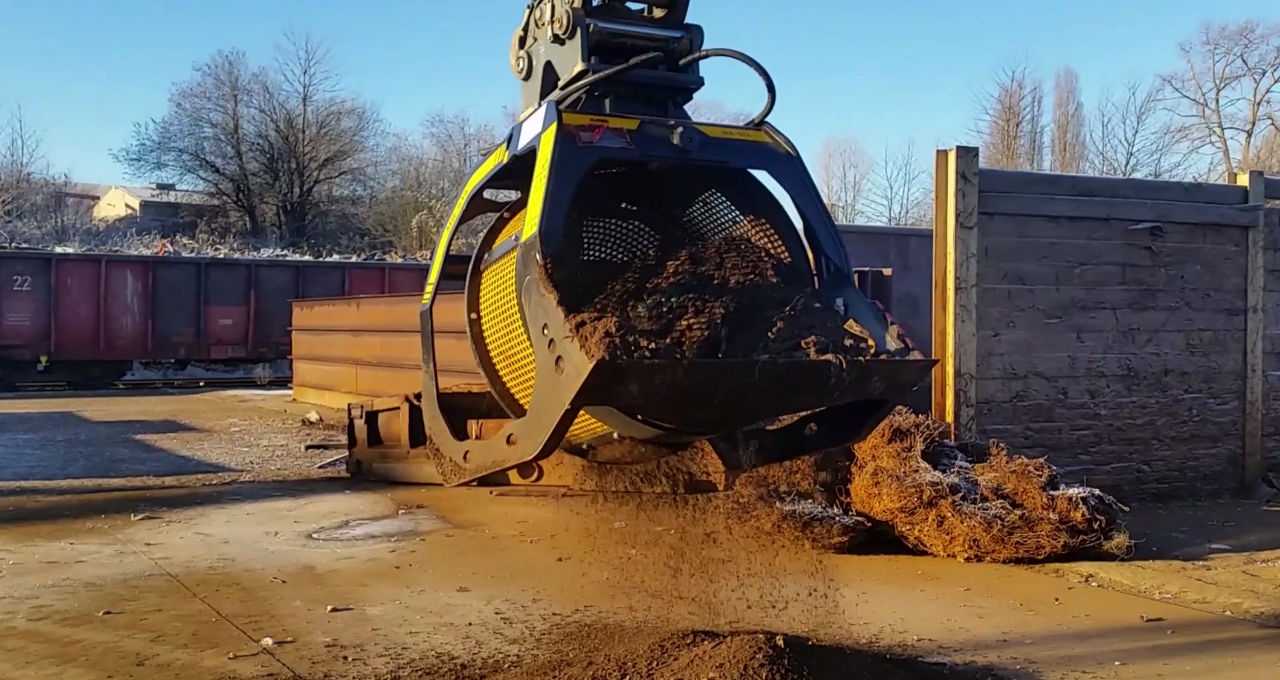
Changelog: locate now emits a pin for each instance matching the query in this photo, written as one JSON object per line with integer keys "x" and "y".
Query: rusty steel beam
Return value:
{"x": 352, "y": 349}
{"x": 383, "y": 348}
{"x": 379, "y": 313}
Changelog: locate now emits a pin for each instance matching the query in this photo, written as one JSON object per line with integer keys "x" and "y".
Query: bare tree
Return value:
{"x": 210, "y": 138}
{"x": 276, "y": 146}
{"x": 1227, "y": 95}
{"x": 1067, "y": 146}
{"x": 1011, "y": 121}
{"x": 714, "y": 111}
{"x": 425, "y": 174}
{"x": 1267, "y": 154}
{"x": 844, "y": 172}
{"x": 1129, "y": 135}
{"x": 316, "y": 139}
{"x": 22, "y": 166}
{"x": 36, "y": 204}
{"x": 900, "y": 190}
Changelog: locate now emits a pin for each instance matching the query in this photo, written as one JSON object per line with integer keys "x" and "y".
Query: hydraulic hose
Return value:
{"x": 771, "y": 90}
{"x": 563, "y": 94}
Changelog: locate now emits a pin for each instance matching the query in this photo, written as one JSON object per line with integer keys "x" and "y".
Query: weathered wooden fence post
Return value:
{"x": 1254, "y": 374}
{"x": 955, "y": 289}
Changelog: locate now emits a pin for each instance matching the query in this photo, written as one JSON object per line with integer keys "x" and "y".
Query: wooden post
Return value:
{"x": 1254, "y": 377}
{"x": 955, "y": 289}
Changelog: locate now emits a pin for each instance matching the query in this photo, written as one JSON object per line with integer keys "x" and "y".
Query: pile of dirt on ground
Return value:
{"x": 704, "y": 302}
{"x": 794, "y": 501}
{"x": 904, "y": 485}
{"x": 1005, "y": 508}
{"x": 601, "y": 653}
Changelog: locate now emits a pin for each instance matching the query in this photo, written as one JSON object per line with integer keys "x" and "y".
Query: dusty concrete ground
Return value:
{"x": 222, "y": 554}
{"x": 60, "y": 441}
{"x": 1220, "y": 556}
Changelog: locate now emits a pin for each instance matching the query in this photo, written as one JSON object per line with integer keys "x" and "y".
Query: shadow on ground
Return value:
{"x": 54, "y": 445}
{"x": 1195, "y": 531}
{"x": 79, "y": 505}
{"x": 55, "y": 395}
{"x": 588, "y": 652}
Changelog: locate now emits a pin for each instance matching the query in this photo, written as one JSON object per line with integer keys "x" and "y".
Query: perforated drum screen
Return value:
{"x": 624, "y": 214}
{"x": 507, "y": 340}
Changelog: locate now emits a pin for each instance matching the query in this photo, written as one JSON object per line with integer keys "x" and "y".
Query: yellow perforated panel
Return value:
{"x": 503, "y": 329}
{"x": 584, "y": 428}
{"x": 511, "y": 228}
{"x": 506, "y": 339}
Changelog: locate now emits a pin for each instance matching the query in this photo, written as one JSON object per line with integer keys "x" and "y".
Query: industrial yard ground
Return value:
{"x": 165, "y": 534}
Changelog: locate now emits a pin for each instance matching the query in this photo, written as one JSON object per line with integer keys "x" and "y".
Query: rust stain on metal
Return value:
{"x": 355, "y": 348}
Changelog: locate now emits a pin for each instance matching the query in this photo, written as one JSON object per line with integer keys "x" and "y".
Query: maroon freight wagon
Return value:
{"x": 84, "y": 319}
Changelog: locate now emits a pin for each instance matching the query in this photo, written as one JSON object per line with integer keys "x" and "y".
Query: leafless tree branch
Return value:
{"x": 1068, "y": 148}
{"x": 844, "y": 172}
{"x": 422, "y": 176}
{"x": 1227, "y": 93}
{"x": 1011, "y": 121}
{"x": 278, "y": 146}
{"x": 1130, "y": 135}
{"x": 900, "y": 192}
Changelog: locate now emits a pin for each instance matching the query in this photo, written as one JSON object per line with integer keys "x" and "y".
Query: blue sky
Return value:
{"x": 883, "y": 72}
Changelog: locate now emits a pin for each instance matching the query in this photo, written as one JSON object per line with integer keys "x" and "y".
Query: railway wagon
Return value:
{"x": 87, "y": 320}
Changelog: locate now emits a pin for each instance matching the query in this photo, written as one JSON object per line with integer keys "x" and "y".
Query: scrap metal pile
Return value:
{"x": 973, "y": 503}
{"x": 994, "y": 506}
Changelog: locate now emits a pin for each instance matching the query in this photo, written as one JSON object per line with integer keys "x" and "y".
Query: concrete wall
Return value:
{"x": 1115, "y": 350}
{"x": 1102, "y": 323}
{"x": 908, "y": 252}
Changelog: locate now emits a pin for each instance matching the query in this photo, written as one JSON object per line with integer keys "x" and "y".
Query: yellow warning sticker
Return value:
{"x": 571, "y": 118}
{"x": 743, "y": 134}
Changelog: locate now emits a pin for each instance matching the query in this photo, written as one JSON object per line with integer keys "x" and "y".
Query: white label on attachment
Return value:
{"x": 532, "y": 126}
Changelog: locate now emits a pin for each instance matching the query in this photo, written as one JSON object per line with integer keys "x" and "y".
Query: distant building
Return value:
{"x": 155, "y": 205}
{"x": 78, "y": 199}
{"x": 84, "y": 191}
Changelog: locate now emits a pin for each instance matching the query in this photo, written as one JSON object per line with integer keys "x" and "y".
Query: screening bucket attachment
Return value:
{"x": 606, "y": 171}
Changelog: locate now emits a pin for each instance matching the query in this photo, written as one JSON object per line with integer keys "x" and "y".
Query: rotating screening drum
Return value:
{"x": 597, "y": 195}
{"x": 620, "y": 216}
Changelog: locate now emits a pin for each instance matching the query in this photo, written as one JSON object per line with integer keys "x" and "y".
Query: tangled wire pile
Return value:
{"x": 1006, "y": 508}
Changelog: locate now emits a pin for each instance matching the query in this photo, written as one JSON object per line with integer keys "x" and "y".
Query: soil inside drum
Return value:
{"x": 599, "y": 653}
{"x": 727, "y": 298}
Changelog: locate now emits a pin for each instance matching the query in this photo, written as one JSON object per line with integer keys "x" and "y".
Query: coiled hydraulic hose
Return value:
{"x": 771, "y": 90}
